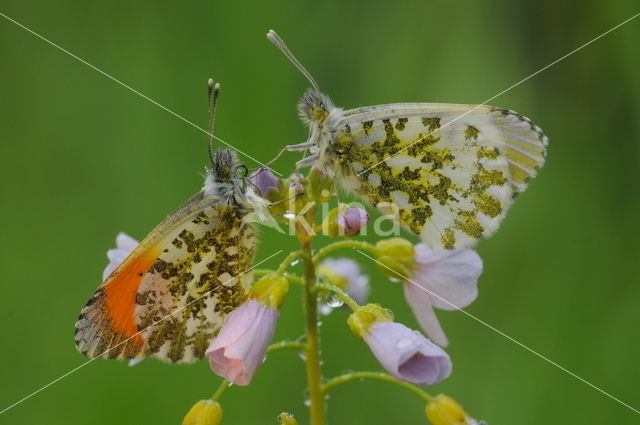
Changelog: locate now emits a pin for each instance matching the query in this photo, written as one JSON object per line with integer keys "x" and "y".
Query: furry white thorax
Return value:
{"x": 321, "y": 132}
{"x": 229, "y": 193}
{"x": 223, "y": 182}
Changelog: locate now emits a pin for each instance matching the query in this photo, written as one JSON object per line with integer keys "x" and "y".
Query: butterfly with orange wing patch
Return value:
{"x": 169, "y": 297}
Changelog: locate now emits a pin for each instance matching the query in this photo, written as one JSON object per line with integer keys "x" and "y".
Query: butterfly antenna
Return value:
{"x": 275, "y": 39}
{"x": 214, "y": 92}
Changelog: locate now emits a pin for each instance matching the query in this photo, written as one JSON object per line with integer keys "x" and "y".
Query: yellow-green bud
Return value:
{"x": 270, "y": 290}
{"x": 287, "y": 419}
{"x": 360, "y": 320}
{"x": 321, "y": 186}
{"x": 445, "y": 411}
{"x": 204, "y": 412}
{"x": 330, "y": 225}
{"x": 396, "y": 257}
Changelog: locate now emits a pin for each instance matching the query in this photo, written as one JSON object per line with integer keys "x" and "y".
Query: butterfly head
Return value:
{"x": 226, "y": 167}
{"x": 227, "y": 177}
{"x": 314, "y": 107}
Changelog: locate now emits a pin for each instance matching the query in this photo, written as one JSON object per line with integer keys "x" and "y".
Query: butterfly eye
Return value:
{"x": 242, "y": 171}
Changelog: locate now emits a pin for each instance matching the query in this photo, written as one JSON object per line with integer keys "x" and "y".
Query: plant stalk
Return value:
{"x": 347, "y": 377}
{"x": 317, "y": 409}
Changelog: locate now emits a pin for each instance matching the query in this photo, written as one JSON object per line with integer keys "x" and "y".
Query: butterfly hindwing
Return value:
{"x": 200, "y": 278}
{"x": 451, "y": 170}
{"x": 169, "y": 297}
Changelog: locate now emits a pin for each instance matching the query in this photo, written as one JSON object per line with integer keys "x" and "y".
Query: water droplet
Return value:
{"x": 307, "y": 402}
{"x": 334, "y": 300}
{"x": 289, "y": 215}
{"x": 324, "y": 309}
{"x": 296, "y": 261}
{"x": 393, "y": 279}
{"x": 230, "y": 384}
{"x": 303, "y": 355}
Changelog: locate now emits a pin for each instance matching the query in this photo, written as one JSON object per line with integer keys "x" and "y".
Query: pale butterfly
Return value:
{"x": 170, "y": 295}
{"x": 449, "y": 172}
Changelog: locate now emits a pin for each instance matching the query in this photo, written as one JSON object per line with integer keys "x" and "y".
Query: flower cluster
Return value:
{"x": 445, "y": 280}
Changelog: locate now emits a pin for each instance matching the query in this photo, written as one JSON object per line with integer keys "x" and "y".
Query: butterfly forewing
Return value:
{"x": 170, "y": 295}
{"x": 448, "y": 171}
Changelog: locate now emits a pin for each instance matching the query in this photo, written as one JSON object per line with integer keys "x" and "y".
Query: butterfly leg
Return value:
{"x": 291, "y": 148}
{"x": 308, "y": 161}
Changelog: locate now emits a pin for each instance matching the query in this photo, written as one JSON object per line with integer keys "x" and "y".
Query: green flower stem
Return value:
{"x": 286, "y": 344}
{"x": 350, "y": 302}
{"x": 287, "y": 261}
{"x": 223, "y": 386}
{"x": 347, "y": 377}
{"x": 317, "y": 410}
{"x": 292, "y": 278}
{"x": 365, "y": 246}
{"x": 262, "y": 272}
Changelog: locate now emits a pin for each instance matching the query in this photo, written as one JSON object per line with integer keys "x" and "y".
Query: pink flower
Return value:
{"x": 125, "y": 244}
{"x": 352, "y": 221}
{"x": 264, "y": 181}
{"x": 406, "y": 354}
{"x": 356, "y": 284}
{"x": 241, "y": 345}
{"x": 443, "y": 279}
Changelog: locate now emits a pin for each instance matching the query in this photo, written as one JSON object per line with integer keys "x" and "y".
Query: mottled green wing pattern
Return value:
{"x": 203, "y": 275}
{"x": 168, "y": 299}
{"x": 449, "y": 172}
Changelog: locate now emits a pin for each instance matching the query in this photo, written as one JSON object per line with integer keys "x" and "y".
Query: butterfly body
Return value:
{"x": 169, "y": 297}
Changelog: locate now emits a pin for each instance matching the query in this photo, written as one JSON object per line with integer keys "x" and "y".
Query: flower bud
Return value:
{"x": 287, "y": 419}
{"x": 406, "y": 354}
{"x": 270, "y": 290}
{"x": 344, "y": 221}
{"x": 321, "y": 186}
{"x": 396, "y": 257}
{"x": 446, "y": 411}
{"x": 240, "y": 346}
{"x": 352, "y": 221}
{"x": 345, "y": 274}
{"x": 204, "y": 412}
{"x": 361, "y": 320}
{"x": 265, "y": 181}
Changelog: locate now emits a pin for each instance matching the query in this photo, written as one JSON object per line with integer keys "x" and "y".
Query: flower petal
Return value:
{"x": 357, "y": 283}
{"x": 407, "y": 354}
{"x": 264, "y": 181}
{"x": 352, "y": 221}
{"x": 451, "y": 275}
{"x": 241, "y": 344}
{"x": 420, "y": 302}
{"x": 125, "y": 244}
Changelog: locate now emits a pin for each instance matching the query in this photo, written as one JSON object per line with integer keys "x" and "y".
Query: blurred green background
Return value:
{"x": 82, "y": 158}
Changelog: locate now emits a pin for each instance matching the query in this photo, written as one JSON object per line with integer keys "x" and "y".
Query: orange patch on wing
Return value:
{"x": 121, "y": 291}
